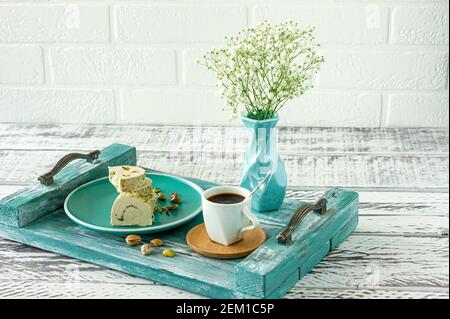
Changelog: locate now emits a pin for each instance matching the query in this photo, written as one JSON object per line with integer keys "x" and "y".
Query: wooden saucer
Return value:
{"x": 198, "y": 239}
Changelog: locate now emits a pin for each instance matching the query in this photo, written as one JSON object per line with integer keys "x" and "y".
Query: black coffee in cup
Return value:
{"x": 226, "y": 198}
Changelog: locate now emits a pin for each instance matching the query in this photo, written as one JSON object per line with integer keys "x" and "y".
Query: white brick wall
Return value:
{"x": 387, "y": 69}
{"x": 177, "y": 24}
{"x": 39, "y": 22}
{"x": 21, "y": 65}
{"x": 420, "y": 25}
{"x": 112, "y": 65}
{"x": 118, "y": 61}
{"x": 423, "y": 110}
{"x": 47, "y": 105}
{"x": 339, "y": 24}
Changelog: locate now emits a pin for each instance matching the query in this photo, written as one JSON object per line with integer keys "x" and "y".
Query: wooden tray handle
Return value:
{"x": 320, "y": 207}
{"x": 47, "y": 178}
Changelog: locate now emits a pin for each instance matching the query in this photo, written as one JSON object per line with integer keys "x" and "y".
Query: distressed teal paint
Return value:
{"x": 314, "y": 259}
{"x": 284, "y": 287}
{"x": 267, "y": 273}
{"x": 344, "y": 232}
{"x": 28, "y": 204}
{"x": 262, "y": 156}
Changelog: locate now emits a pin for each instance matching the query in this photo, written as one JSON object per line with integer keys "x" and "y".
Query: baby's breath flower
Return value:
{"x": 263, "y": 67}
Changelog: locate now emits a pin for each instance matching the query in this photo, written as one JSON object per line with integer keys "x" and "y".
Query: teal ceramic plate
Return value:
{"x": 90, "y": 205}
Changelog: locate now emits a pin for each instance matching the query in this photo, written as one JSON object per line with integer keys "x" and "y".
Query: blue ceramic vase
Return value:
{"x": 260, "y": 158}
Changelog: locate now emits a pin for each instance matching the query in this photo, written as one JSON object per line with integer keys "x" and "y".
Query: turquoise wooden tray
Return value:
{"x": 269, "y": 272}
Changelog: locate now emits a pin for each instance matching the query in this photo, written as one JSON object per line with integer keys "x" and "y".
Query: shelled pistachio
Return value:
{"x": 168, "y": 253}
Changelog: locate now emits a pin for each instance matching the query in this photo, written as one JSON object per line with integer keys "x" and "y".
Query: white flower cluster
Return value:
{"x": 263, "y": 67}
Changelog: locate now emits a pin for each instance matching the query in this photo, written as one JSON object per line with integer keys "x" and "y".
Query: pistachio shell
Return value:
{"x": 146, "y": 249}
{"x": 133, "y": 240}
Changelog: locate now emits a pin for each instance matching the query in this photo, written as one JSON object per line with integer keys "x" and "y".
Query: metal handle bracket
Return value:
{"x": 47, "y": 178}
{"x": 320, "y": 207}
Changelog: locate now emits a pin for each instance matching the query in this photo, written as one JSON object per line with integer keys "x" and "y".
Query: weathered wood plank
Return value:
{"x": 402, "y": 141}
{"x": 69, "y": 289}
{"x": 375, "y": 261}
{"x": 403, "y": 197}
{"x": 429, "y": 226}
{"x": 409, "y": 219}
{"x": 404, "y": 209}
{"x": 391, "y": 201}
{"x": 6, "y": 190}
{"x": 304, "y": 170}
{"x": 394, "y": 293}
{"x": 72, "y": 289}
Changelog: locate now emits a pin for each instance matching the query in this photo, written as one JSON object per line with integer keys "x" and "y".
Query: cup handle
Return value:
{"x": 254, "y": 221}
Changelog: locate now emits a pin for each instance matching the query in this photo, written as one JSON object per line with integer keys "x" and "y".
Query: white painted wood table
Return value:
{"x": 399, "y": 250}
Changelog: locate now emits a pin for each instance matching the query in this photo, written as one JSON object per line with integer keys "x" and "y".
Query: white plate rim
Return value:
{"x": 131, "y": 229}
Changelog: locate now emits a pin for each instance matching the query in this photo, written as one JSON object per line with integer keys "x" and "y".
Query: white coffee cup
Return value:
{"x": 226, "y": 223}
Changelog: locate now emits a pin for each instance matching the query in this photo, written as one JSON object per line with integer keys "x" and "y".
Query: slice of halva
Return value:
{"x": 130, "y": 210}
{"x": 144, "y": 192}
{"x": 128, "y": 178}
